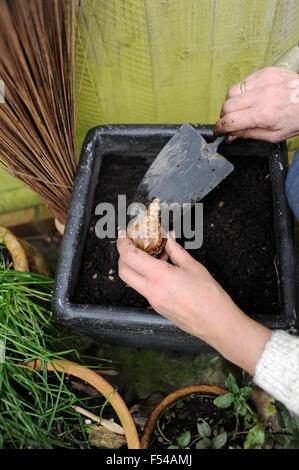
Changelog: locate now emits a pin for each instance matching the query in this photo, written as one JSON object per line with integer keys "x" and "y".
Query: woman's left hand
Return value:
{"x": 190, "y": 297}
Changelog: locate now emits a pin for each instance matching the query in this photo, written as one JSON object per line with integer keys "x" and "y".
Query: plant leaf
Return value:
{"x": 224, "y": 401}
{"x": 220, "y": 440}
{"x": 173, "y": 447}
{"x": 282, "y": 439}
{"x": 245, "y": 392}
{"x": 204, "y": 443}
{"x": 184, "y": 439}
{"x": 231, "y": 384}
{"x": 236, "y": 403}
{"x": 284, "y": 419}
{"x": 255, "y": 438}
{"x": 271, "y": 410}
{"x": 179, "y": 404}
{"x": 249, "y": 420}
{"x": 204, "y": 429}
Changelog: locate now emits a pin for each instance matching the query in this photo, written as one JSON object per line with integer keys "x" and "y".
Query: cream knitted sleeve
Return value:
{"x": 277, "y": 371}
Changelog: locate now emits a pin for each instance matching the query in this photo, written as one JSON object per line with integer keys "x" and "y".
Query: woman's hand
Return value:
{"x": 190, "y": 297}
{"x": 268, "y": 108}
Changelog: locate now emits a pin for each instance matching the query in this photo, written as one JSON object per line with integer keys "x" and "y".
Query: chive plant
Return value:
{"x": 35, "y": 406}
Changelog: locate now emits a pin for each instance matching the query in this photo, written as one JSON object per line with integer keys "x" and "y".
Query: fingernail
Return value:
{"x": 231, "y": 137}
{"x": 171, "y": 235}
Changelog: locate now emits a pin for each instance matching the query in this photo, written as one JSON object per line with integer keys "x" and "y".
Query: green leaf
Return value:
{"x": 184, "y": 439}
{"x": 271, "y": 409}
{"x": 231, "y": 384}
{"x": 224, "y": 401}
{"x": 179, "y": 404}
{"x": 236, "y": 404}
{"x": 249, "y": 420}
{"x": 284, "y": 419}
{"x": 295, "y": 423}
{"x": 296, "y": 434}
{"x": 243, "y": 410}
{"x": 245, "y": 392}
{"x": 255, "y": 438}
{"x": 220, "y": 440}
{"x": 204, "y": 443}
{"x": 203, "y": 428}
{"x": 173, "y": 447}
{"x": 167, "y": 413}
{"x": 282, "y": 439}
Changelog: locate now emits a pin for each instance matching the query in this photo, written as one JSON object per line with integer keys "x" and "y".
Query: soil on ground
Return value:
{"x": 238, "y": 237}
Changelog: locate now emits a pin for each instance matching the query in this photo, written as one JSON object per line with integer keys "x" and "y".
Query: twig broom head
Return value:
{"x": 37, "y": 119}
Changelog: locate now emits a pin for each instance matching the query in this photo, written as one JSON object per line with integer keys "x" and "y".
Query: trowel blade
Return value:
{"x": 185, "y": 170}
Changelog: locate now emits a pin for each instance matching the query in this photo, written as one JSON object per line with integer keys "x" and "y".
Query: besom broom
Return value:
{"x": 38, "y": 41}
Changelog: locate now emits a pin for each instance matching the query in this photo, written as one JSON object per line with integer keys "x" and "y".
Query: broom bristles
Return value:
{"x": 37, "y": 120}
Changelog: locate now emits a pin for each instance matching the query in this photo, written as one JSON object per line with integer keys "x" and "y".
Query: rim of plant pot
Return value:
{"x": 17, "y": 252}
{"x": 100, "y": 384}
{"x": 37, "y": 263}
{"x": 169, "y": 400}
{"x": 25, "y": 256}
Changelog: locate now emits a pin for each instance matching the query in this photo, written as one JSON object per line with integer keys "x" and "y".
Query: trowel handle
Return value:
{"x": 213, "y": 146}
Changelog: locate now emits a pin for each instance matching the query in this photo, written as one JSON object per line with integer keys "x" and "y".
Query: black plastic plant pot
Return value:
{"x": 248, "y": 240}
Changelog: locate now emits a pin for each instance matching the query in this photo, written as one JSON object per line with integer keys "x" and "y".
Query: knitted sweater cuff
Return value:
{"x": 277, "y": 371}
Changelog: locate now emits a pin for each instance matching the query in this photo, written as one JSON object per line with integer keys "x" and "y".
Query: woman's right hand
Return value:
{"x": 187, "y": 294}
{"x": 268, "y": 108}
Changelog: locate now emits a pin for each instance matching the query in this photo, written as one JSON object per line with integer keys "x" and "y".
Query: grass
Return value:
{"x": 35, "y": 406}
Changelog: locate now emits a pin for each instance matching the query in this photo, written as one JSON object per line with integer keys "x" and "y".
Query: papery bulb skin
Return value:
{"x": 146, "y": 232}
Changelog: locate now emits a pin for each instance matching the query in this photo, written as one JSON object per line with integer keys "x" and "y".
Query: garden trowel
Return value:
{"x": 185, "y": 170}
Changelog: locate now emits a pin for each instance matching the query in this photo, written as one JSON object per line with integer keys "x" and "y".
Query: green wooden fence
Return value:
{"x": 168, "y": 61}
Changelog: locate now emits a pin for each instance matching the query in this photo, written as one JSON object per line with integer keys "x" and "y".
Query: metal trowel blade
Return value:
{"x": 185, "y": 170}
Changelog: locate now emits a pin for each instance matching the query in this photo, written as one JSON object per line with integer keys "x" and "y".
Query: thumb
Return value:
{"x": 178, "y": 255}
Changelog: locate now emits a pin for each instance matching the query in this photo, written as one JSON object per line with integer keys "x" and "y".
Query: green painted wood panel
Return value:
{"x": 14, "y": 195}
{"x": 166, "y": 61}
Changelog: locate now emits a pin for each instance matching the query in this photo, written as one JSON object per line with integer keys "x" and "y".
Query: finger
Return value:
{"x": 133, "y": 279}
{"x": 138, "y": 260}
{"x": 250, "y": 84}
{"x": 256, "y": 79}
{"x": 236, "y": 121}
{"x": 178, "y": 255}
{"x": 164, "y": 257}
{"x": 258, "y": 134}
{"x": 237, "y": 103}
